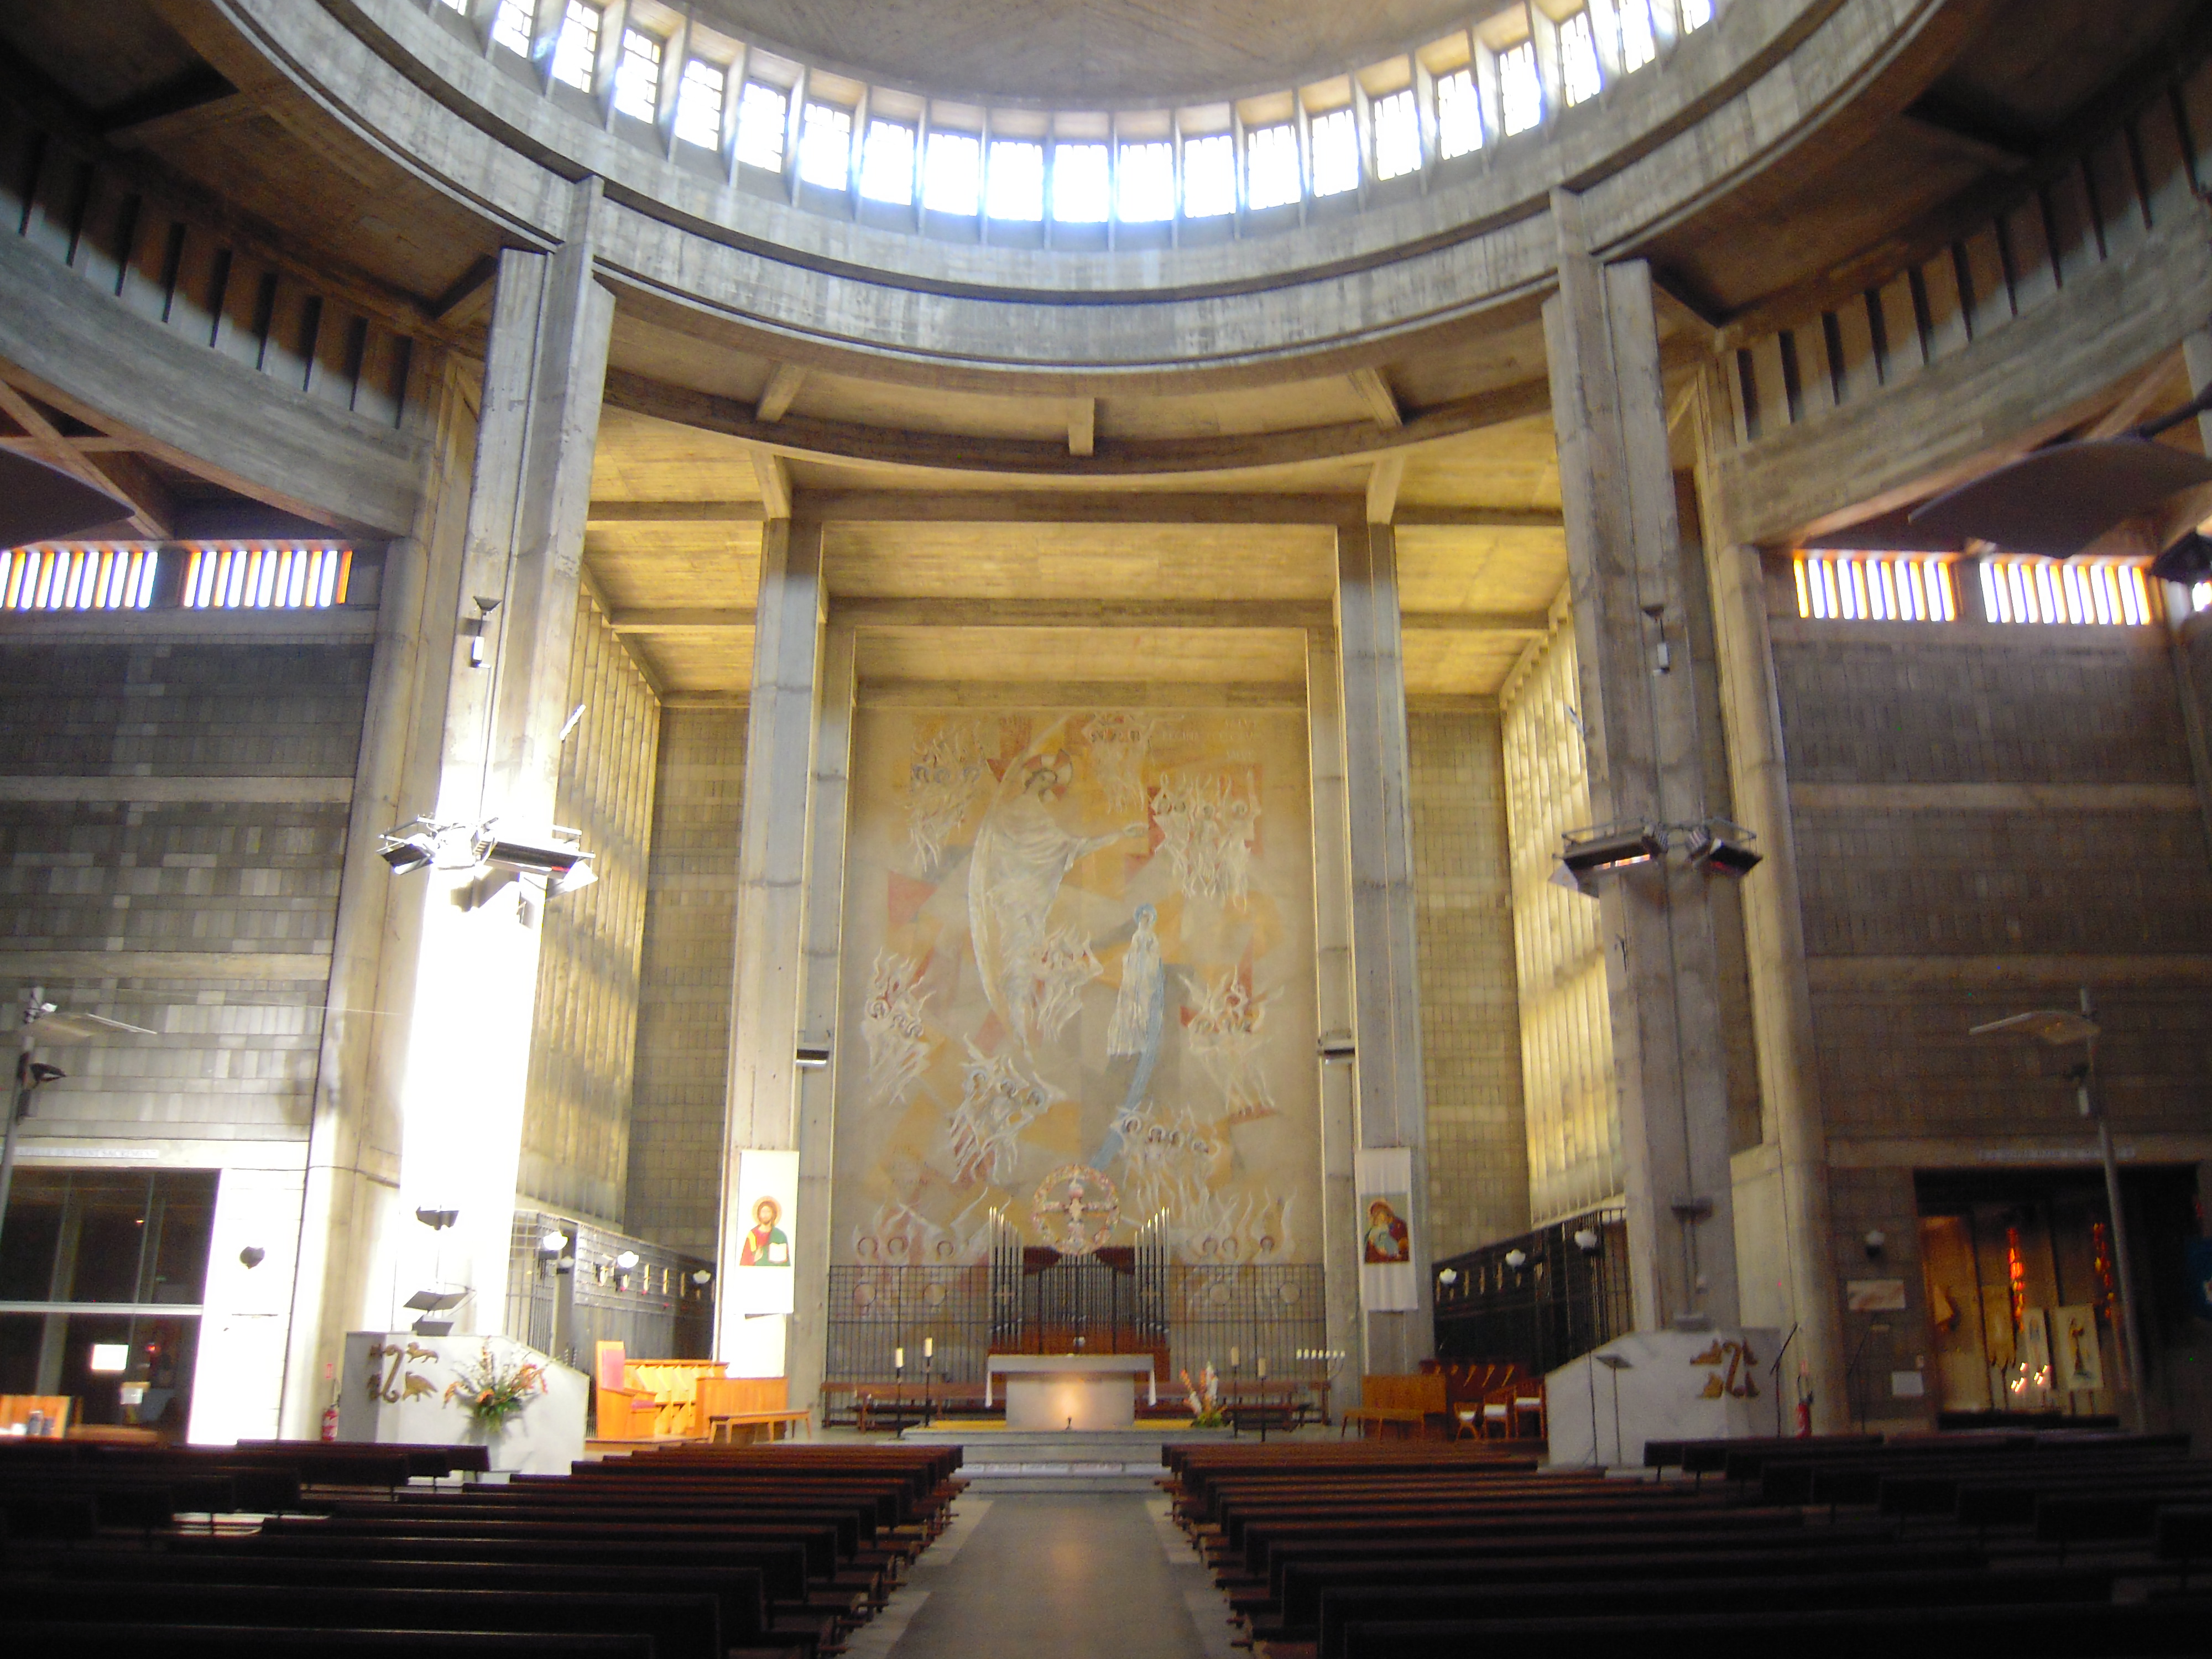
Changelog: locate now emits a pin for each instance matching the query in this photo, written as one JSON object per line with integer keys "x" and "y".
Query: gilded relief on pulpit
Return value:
{"x": 1078, "y": 945}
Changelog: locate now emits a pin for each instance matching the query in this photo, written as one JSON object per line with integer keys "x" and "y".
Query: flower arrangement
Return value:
{"x": 492, "y": 1394}
{"x": 1205, "y": 1398}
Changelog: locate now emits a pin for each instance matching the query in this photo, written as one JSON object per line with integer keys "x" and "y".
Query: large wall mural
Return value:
{"x": 1078, "y": 985}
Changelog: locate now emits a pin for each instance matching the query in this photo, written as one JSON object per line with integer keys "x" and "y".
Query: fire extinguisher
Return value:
{"x": 1804, "y": 1404}
{"x": 330, "y": 1411}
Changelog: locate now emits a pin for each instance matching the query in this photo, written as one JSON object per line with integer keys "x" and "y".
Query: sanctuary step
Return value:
{"x": 996, "y": 1460}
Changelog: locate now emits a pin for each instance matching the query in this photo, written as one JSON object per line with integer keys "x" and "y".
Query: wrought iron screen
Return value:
{"x": 1274, "y": 1311}
{"x": 1558, "y": 1301}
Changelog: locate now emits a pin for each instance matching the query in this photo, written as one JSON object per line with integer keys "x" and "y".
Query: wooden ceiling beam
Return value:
{"x": 1372, "y": 386}
{"x": 622, "y": 513}
{"x": 151, "y": 512}
{"x": 783, "y": 383}
{"x": 880, "y": 615}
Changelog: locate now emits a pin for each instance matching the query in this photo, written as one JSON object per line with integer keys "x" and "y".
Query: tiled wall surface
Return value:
{"x": 681, "y": 1082}
{"x": 172, "y": 820}
{"x": 1470, "y": 1017}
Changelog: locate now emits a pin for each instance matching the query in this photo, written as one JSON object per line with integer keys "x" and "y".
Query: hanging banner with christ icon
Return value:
{"x": 762, "y": 1280}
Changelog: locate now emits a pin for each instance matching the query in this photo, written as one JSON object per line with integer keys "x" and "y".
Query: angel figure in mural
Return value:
{"x": 1139, "y": 1009}
{"x": 1022, "y": 854}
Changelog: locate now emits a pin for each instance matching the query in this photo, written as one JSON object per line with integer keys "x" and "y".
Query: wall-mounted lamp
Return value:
{"x": 472, "y": 627}
{"x": 552, "y": 1243}
{"x": 437, "y": 1220}
{"x": 1587, "y": 1241}
{"x": 252, "y": 1255}
{"x": 812, "y": 1057}
{"x": 1875, "y": 1240}
{"x": 1336, "y": 1047}
{"x": 703, "y": 1278}
{"x": 1516, "y": 1259}
{"x": 1447, "y": 1277}
{"x": 1721, "y": 849}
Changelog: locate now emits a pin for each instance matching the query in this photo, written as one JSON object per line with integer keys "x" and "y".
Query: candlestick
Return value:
{"x": 1235, "y": 1358}
{"x": 898, "y": 1360}
{"x": 1263, "y": 1367}
{"x": 929, "y": 1347}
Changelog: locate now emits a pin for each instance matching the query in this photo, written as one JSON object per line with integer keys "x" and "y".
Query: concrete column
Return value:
{"x": 2182, "y": 639}
{"x": 1639, "y": 699}
{"x": 466, "y": 1067}
{"x": 351, "y": 1167}
{"x": 1783, "y": 1212}
{"x": 1386, "y": 993}
{"x": 1332, "y": 1011}
{"x": 818, "y": 1023}
{"x": 771, "y": 971}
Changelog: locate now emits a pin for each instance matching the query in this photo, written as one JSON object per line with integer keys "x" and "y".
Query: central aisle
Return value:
{"x": 1074, "y": 1575}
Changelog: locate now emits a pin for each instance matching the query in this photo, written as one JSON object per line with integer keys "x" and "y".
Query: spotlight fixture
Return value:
{"x": 1447, "y": 1277}
{"x": 405, "y": 853}
{"x": 702, "y": 1277}
{"x": 1611, "y": 847}
{"x": 2188, "y": 561}
{"x": 627, "y": 1261}
{"x": 38, "y": 1074}
{"x": 552, "y": 1241}
{"x": 1875, "y": 1239}
{"x": 435, "y": 1219}
{"x": 423, "y": 844}
{"x": 1587, "y": 1241}
{"x": 1721, "y": 849}
{"x": 565, "y": 868}
{"x": 473, "y": 628}
{"x": 1516, "y": 1259}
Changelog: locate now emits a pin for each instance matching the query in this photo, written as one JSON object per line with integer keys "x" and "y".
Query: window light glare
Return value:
{"x": 637, "y": 77}
{"x": 1639, "y": 41}
{"x": 77, "y": 579}
{"x": 1209, "y": 176}
{"x": 825, "y": 146}
{"x": 1520, "y": 89}
{"x": 1272, "y": 159}
{"x": 1696, "y": 14}
{"x": 1459, "y": 115}
{"x": 1015, "y": 187}
{"x": 952, "y": 175}
{"x": 887, "y": 163}
{"x": 108, "y": 1359}
{"x": 266, "y": 578}
{"x": 1875, "y": 587}
{"x": 699, "y": 105}
{"x": 764, "y": 114}
{"x": 2029, "y": 591}
{"x": 2200, "y": 597}
{"x": 576, "y": 48}
{"x": 1144, "y": 191}
{"x": 1579, "y": 79}
{"x": 511, "y": 25}
{"x": 1081, "y": 189}
{"x": 1397, "y": 136}
{"x": 1336, "y": 154}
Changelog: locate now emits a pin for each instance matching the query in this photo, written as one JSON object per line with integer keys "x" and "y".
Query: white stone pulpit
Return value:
{"x": 1661, "y": 1385}
{"x": 399, "y": 1388}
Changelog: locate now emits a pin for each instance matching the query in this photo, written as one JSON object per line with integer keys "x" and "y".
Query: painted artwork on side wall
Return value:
{"x": 1078, "y": 985}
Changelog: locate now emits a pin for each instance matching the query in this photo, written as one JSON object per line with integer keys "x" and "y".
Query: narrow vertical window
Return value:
{"x": 1397, "y": 136}
{"x": 1271, "y": 156}
{"x": 699, "y": 105}
{"x": 1144, "y": 193}
{"x": 637, "y": 77}
{"x": 1459, "y": 115}
{"x": 511, "y": 25}
{"x": 764, "y": 116}
{"x": 952, "y": 175}
{"x": 1579, "y": 79}
{"x": 1335, "y": 153}
{"x": 1639, "y": 41}
{"x": 825, "y": 146}
{"x": 1080, "y": 193}
{"x": 1015, "y": 188}
{"x": 1209, "y": 176}
{"x": 1520, "y": 88}
{"x": 887, "y": 162}
{"x": 576, "y": 48}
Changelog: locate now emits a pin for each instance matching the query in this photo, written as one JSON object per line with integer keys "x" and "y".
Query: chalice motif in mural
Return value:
{"x": 1075, "y": 1209}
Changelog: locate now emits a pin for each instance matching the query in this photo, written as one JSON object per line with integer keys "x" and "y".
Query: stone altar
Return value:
{"x": 1070, "y": 1390}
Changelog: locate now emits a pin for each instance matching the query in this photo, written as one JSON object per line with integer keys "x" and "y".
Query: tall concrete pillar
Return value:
{"x": 469, "y": 1012}
{"x": 1332, "y": 1011}
{"x": 1783, "y": 1207}
{"x": 1639, "y": 701}
{"x": 1385, "y": 994}
{"x": 769, "y": 997}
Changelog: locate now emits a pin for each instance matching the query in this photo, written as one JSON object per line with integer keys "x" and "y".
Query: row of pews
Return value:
{"x": 676, "y": 1552}
{"x": 2065, "y": 1543}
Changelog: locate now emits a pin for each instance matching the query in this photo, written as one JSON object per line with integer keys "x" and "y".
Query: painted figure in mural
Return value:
{"x": 1387, "y": 1240}
{"x": 1022, "y": 854}
{"x": 766, "y": 1245}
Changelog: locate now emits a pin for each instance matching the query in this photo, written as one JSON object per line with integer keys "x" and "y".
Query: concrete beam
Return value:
{"x": 774, "y": 474}
{"x": 1075, "y": 506}
{"x": 882, "y": 615}
{"x": 2003, "y": 393}
{"x": 150, "y": 511}
{"x": 615, "y": 512}
{"x": 1382, "y": 481}
{"x": 1082, "y": 427}
{"x": 783, "y": 383}
{"x": 1376, "y": 390}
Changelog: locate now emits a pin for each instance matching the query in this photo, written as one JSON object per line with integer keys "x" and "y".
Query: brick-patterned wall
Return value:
{"x": 680, "y": 1083}
{"x": 575, "y": 1126}
{"x": 1941, "y": 889}
{"x": 1478, "y": 1150}
{"x": 1573, "y": 1107}
{"x": 172, "y": 820}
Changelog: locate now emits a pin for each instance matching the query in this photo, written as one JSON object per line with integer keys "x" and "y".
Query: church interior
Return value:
{"x": 986, "y": 826}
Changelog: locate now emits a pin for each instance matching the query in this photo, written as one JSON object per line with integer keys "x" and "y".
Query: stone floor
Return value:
{"x": 1073, "y": 1575}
